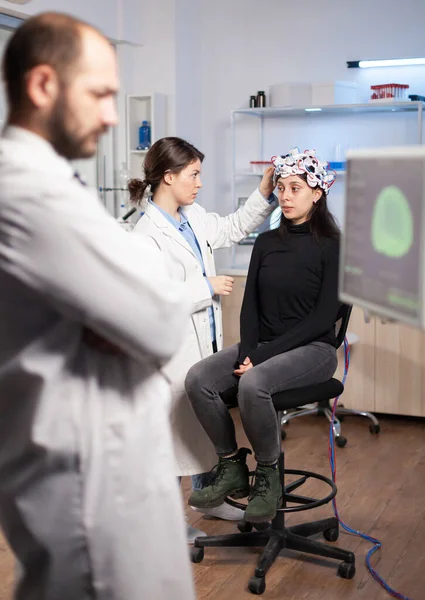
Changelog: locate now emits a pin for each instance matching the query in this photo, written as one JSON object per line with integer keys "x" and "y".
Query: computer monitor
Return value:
{"x": 272, "y": 222}
{"x": 382, "y": 261}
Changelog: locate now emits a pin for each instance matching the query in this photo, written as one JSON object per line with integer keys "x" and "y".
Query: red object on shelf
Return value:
{"x": 396, "y": 91}
{"x": 259, "y": 166}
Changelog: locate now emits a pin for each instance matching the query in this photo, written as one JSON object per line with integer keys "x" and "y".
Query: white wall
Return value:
{"x": 155, "y": 62}
{"x": 188, "y": 65}
{"x": 170, "y": 62}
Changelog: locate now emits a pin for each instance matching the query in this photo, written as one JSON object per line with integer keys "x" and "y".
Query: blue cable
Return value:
{"x": 377, "y": 543}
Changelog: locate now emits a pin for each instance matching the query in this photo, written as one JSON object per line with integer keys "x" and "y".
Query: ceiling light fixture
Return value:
{"x": 390, "y": 62}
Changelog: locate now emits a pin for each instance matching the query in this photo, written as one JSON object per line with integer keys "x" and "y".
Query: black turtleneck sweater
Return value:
{"x": 291, "y": 294}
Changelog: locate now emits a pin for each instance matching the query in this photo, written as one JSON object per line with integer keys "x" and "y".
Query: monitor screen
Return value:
{"x": 272, "y": 222}
{"x": 381, "y": 266}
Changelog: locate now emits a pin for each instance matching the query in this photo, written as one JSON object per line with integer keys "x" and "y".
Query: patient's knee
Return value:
{"x": 249, "y": 384}
{"x": 194, "y": 380}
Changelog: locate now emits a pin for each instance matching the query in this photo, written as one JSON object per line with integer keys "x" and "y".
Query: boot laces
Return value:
{"x": 218, "y": 472}
{"x": 261, "y": 485}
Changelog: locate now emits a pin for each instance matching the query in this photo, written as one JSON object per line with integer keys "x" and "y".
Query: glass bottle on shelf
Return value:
{"x": 123, "y": 179}
{"x": 144, "y": 136}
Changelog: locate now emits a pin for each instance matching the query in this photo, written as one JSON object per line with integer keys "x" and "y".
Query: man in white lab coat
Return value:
{"x": 89, "y": 501}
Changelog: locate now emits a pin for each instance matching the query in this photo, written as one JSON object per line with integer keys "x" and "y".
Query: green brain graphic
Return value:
{"x": 392, "y": 223}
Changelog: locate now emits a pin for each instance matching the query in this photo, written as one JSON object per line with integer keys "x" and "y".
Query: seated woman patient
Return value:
{"x": 287, "y": 329}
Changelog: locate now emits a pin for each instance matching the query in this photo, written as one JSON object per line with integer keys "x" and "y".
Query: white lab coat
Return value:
{"x": 88, "y": 496}
{"x": 194, "y": 450}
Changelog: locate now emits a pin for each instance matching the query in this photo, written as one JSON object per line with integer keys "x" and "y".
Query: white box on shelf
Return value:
{"x": 290, "y": 94}
{"x": 334, "y": 92}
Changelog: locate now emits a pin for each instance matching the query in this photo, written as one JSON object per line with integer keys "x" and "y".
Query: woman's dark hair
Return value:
{"x": 321, "y": 221}
{"x": 167, "y": 154}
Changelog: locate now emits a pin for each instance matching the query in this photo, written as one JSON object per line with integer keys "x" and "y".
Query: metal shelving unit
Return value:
{"x": 310, "y": 114}
{"x": 333, "y": 109}
{"x": 315, "y": 112}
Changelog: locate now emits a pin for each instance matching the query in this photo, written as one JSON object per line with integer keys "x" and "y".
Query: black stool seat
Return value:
{"x": 320, "y": 392}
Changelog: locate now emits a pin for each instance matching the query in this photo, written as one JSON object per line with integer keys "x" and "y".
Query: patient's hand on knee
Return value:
{"x": 244, "y": 367}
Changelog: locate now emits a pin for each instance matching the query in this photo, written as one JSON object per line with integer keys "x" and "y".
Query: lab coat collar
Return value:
{"x": 41, "y": 154}
{"x": 172, "y": 220}
{"x": 164, "y": 224}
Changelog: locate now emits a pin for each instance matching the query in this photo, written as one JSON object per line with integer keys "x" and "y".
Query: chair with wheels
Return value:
{"x": 321, "y": 394}
{"x": 276, "y": 536}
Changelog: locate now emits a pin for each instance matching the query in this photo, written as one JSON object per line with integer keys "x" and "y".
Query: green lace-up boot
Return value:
{"x": 266, "y": 495}
{"x": 231, "y": 478}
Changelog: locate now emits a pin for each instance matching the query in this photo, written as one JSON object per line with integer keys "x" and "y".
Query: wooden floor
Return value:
{"x": 381, "y": 481}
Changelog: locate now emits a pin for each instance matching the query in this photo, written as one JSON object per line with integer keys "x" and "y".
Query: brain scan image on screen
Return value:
{"x": 392, "y": 223}
{"x": 382, "y": 235}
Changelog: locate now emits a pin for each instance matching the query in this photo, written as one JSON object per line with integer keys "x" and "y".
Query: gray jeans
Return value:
{"x": 205, "y": 381}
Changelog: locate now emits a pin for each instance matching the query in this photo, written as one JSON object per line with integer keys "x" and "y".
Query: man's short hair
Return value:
{"x": 52, "y": 39}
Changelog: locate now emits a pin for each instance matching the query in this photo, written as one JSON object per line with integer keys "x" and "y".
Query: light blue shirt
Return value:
{"x": 183, "y": 226}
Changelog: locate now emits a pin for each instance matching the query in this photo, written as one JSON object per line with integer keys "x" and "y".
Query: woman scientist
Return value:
{"x": 187, "y": 236}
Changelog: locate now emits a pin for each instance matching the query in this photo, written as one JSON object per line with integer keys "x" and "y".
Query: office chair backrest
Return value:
{"x": 341, "y": 323}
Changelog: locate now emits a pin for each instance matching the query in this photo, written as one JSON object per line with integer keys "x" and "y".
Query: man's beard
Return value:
{"x": 65, "y": 138}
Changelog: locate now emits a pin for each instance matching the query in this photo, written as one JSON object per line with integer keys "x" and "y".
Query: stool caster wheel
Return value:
{"x": 340, "y": 441}
{"x": 257, "y": 585}
{"x": 374, "y": 428}
{"x": 244, "y": 526}
{"x": 197, "y": 554}
{"x": 331, "y": 535}
{"x": 283, "y": 434}
{"x": 346, "y": 570}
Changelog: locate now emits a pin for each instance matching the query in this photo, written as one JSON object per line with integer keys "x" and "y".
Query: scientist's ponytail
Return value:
{"x": 137, "y": 189}
{"x": 169, "y": 154}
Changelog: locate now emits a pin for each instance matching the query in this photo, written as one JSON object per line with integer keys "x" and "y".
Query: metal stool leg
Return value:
{"x": 298, "y": 413}
{"x": 374, "y": 427}
{"x": 340, "y": 440}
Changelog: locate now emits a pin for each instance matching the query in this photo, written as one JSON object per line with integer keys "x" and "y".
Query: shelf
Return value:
{"x": 334, "y": 109}
{"x": 139, "y": 108}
